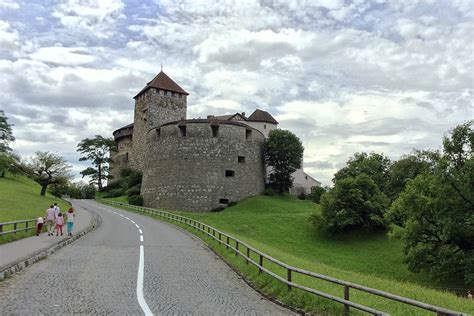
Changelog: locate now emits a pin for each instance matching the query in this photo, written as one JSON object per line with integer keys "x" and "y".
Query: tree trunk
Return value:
{"x": 99, "y": 181}
{"x": 43, "y": 189}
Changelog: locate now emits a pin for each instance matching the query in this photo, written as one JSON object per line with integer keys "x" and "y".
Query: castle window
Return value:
{"x": 182, "y": 128}
{"x": 158, "y": 132}
{"x": 229, "y": 173}
{"x": 248, "y": 134}
{"x": 241, "y": 159}
{"x": 306, "y": 177}
{"x": 223, "y": 201}
{"x": 215, "y": 130}
{"x": 264, "y": 126}
{"x": 168, "y": 93}
{"x": 126, "y": 157}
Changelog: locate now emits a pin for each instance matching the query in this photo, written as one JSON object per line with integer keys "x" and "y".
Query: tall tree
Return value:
{"x": 47, "y": 168}
{"x": 283, "y": 152}
{"x": 7, "y": 158}
{"x": 97, "y": 151}
{"x": 435, "y": 214}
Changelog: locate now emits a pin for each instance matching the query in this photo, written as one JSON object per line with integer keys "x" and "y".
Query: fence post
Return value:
{"x": 26, "y": 226}
{"x": 1, "y": 228}
{"x": 14, "y": 228}
{"x": 236, "y": 247}
{"x": 346, "y": 297}
{"x": 227, "y": 243}
{"x": 248, "y": 255}
{"x": 260, "y": 263}
{"x": 288, "y": 278}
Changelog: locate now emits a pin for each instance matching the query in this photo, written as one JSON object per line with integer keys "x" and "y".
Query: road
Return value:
{"x": 132, "y": 265}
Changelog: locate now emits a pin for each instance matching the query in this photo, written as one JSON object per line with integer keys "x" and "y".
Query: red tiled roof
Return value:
{"x": 262, "y": 116}
{"x": 162, "y": 81}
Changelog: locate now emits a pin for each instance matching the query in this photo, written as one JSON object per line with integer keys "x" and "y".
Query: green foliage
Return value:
{"x": 135, "y": 200}
{"x": 46, "y": 169}
{"x": 374, "y": 165}
{"x": 96, "y": 150}
{"x": 88, "y": 191}
{"x": 114, "y": 193}
{"x": 436, "y": 212}
{"x": 405, "y": 169}
{"x": 302, "y": 196}
{"x": 283, "y": 152}
{"x": 316, "y": 193}
{"x": 135, "y": 190}
{"x": 6, "y": 134}
{"x": 269, "y": 192}
{"x": 354, "y": 202}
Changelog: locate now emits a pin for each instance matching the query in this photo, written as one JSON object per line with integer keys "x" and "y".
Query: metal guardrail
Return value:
{"x": 15, "y": 226}
{"x": 239, "y": 246}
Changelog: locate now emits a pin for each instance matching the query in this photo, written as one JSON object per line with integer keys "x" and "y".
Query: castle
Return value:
{"x": 194, "y": 164}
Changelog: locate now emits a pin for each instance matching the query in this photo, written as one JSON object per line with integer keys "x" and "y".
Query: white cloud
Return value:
{"x": 63, "y": 55}
{"x": 8, "y": 37}
{"x": 9, "y": 4}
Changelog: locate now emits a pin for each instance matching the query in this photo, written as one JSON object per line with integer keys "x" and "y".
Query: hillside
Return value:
{"x": 20, "y": 199}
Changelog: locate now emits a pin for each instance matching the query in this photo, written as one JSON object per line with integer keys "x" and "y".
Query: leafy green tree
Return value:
{"x": 435, "y": 214}
{"x": 8, "y": 160}
{"x": 46, "y": 169}
{"x": 405, "y": 169}
{"x": 316, "y": 194}
{"x": 283, "y": 153}
{"x": 353, "y": 203}
{"x": 97, "y": 151}
{"x": 376, "y": 166}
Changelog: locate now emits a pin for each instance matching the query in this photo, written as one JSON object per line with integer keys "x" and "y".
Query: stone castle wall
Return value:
{"x": 200, "y": 169}
{"x": 121, "y": 158}
{"x": 153, "y": 108}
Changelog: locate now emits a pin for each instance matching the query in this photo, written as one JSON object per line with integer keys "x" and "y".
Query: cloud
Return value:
{"x": 63, "y": 55}
{"x": 9, "y": 4}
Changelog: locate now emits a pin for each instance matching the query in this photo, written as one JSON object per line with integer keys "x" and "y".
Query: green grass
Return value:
{"x": 122, "y": 198}
{"x": 20, "y": 199}
{"x": 279, "y": 226}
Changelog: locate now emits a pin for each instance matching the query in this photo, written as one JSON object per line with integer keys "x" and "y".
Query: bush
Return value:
{"x": 302, "y": 196}
{"x": 353, "y": 203}
{"x": 134, "y": 178}
{"x": 88, "y": 192}
{"x": 269, "y": 192}
{"x": 316, "y": 193}
{"x": 135, "y": 200}
{"x": 135, "y": 190}
{"x": 115, "y": 193}
{"x": 113, "y": 185}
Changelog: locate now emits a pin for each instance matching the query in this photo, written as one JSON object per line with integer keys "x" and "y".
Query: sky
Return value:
{"x": 344, "y": 76}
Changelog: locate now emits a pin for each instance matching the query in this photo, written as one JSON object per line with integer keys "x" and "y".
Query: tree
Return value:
{"x": 283, "y": 153}
{"x": 435, "y": 214}
{"x": 316, "y": 194}
{"x": 376, "y": 166}
{"x": 353, "y": 203}
{"x": 8, "y": 160}
{"x": 97, "y": 151}
{"x": 47, "y": 168}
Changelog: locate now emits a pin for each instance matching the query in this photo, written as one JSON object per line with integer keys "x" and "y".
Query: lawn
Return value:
{"x": 20, "y": 199}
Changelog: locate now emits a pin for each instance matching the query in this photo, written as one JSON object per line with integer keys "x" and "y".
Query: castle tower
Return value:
{"x": 162, "y": 100}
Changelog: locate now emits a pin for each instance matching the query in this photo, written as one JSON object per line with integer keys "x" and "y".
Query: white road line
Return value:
{"x": 133, "y": 221}
{"x": 127, "y": 218}
{"x": 140, "y": 297}
{"x": 140, "y": 231}
{"x": 141, "y": 238}
{"x": 137, "y": 226}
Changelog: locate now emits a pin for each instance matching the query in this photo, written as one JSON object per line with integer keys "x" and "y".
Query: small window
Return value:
{"x": 168, "y": 93}
{"x": 248, "y": 134}
{"x": 264, "y": 126}
{"x": 183, "y": 130}
{"x": 229, "y": 173}
{"x": 224, "y": 201}
{"x": 158, "y": 132}
{"x": 215, "y": 130}
{"x": 126, "y": 157}
{"x": 306, "y": 177}
{"x": 241, "y": 159}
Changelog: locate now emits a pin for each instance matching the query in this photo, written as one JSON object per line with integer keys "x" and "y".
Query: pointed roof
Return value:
{"x": 162, "y": 81}
{"x": 262, "y": 116}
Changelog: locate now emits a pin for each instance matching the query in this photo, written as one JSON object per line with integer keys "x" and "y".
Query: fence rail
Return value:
{"x": 25, "y": 223}
{"x": 244, "y": 250}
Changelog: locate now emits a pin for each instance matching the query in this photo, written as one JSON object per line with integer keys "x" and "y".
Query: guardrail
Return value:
{"x": 15, "y": 226}
{"x": 245, "y": 251}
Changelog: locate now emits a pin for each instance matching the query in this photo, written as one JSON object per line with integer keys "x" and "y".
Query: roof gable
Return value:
{"x": 162, "y": 81}
{"x": 262, "y": 116}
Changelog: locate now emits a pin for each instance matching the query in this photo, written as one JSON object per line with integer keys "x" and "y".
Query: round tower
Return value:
{"x": 162, "y": 100}
{"x": 122, "y": 157}
{"x": 202, "y": 164}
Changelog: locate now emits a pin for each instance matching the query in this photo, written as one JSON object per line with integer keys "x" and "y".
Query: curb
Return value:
{"x": 43, "y": 253}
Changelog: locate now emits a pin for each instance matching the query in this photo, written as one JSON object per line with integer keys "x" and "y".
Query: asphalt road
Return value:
{"x": 131, "y": 265}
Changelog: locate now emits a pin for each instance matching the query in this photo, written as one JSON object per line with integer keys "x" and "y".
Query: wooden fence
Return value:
{"x": 244, "y": 250}
{"x": 17, "y": 226}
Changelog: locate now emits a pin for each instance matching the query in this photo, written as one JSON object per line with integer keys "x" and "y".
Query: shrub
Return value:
{"x": 88, "y": 192}
{"x": 135, "y": 200}
{"x": 302, "y": 196}
{"x": 353, "y": 203}
{"x": 115, "y": 193}
{"x": 118, "y": 184}
{"x": 269, "y": 192}
{"x": 135, "y": 190}
{"x": 316, "y": 193}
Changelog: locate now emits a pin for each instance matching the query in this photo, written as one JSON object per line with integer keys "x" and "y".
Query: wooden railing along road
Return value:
{"x": 246, "y": 251}
{"x": 17, "y": 226}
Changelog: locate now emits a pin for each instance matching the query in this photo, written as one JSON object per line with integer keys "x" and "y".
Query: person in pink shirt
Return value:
{"x": 50, "y": 219}
{"x": 59, "y": 224}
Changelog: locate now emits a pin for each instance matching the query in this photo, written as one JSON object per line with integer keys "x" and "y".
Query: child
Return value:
{"x": 39, "y": 225}
{"x": 70, "y": 221}
{"x": 59, "y": 224}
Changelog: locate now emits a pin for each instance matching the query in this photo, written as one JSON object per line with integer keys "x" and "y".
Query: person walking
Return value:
{"x": 59, "y": 224}
{"x": 56, "y": 212}
{"x": 70, "y": 220}
{"x": 39, "y": 225}
{"x": 50, "y": 219}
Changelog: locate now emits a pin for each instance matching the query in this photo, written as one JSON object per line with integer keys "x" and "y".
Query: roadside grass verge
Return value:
{"x": 20, "y": 199}
{"x": 309, "y": 302}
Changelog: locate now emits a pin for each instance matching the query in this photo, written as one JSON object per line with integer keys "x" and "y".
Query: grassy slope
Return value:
{"x": 20, "y": 199}
{"x": 279, "y": 226}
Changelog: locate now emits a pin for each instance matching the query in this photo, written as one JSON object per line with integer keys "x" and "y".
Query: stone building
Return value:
{"x": 192, "y": 164}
